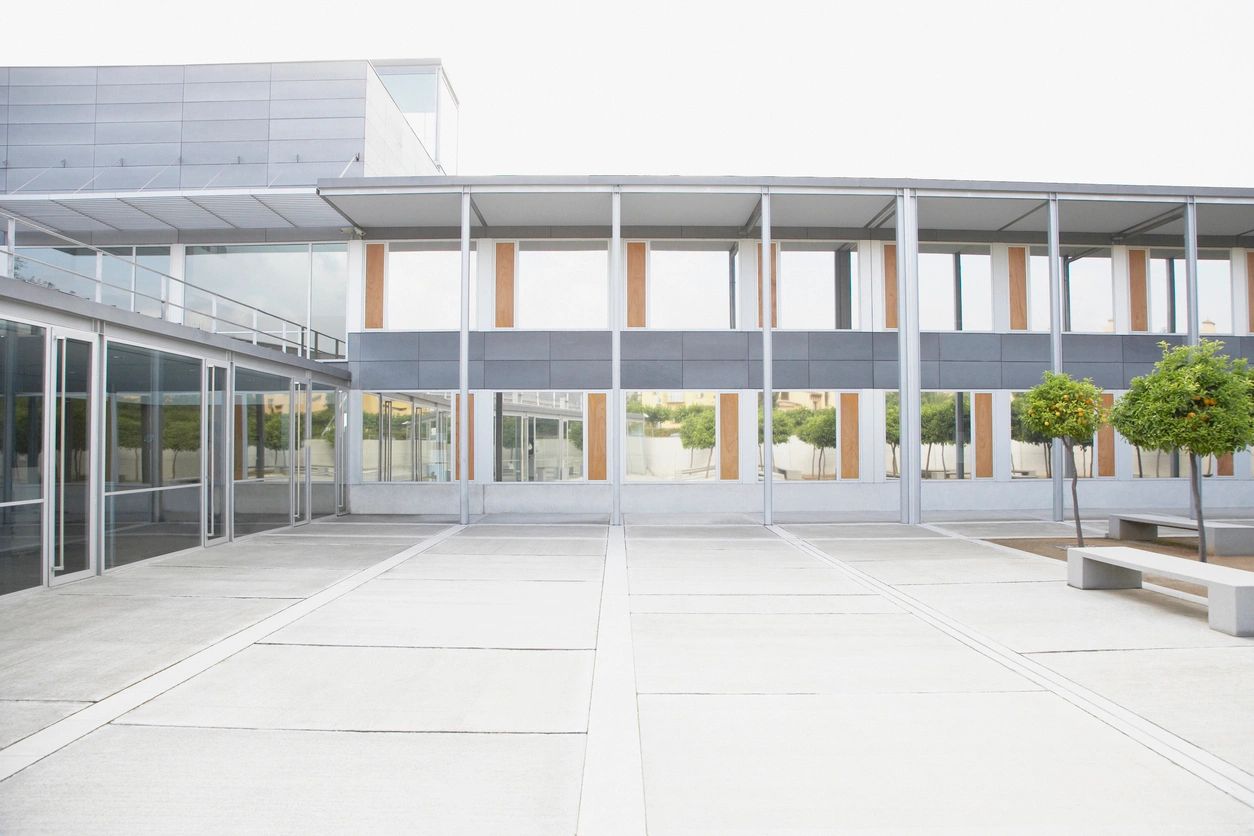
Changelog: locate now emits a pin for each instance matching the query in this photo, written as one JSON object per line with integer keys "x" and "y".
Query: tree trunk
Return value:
{"x": 1075, "y": 494}
{"x": 1195, "y": 484}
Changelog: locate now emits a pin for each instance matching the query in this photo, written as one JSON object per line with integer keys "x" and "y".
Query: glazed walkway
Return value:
{"x": 385, "y": 674}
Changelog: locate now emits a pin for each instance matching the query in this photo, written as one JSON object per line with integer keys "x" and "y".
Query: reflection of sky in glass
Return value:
{"x": 423, "y": 290}
{"x": 562, "y": 289}
{"x": 1214, "y": 296}
{"x": 936, "y": 292}
{"x": 689, "y": 289}
{"x": 807, "y": 289}
{"x": 1092, "y": 294}
{"x": 274, "y": 279}
{"x": 1038, "y": 293}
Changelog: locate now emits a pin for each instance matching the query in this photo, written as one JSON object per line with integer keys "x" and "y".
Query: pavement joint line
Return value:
{"x": 611, "y": 792}
{"x": 1210, "y": 768}
{"x": 134, "y": 725}
{"x": 57, "y": 736}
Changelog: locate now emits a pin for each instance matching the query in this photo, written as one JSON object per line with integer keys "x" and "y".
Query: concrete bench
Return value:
{"x": 1221, "y": 538}
{"x": 1229, "y": 592}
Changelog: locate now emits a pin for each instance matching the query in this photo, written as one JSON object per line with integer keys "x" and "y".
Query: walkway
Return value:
{"x": 386, "y": 674}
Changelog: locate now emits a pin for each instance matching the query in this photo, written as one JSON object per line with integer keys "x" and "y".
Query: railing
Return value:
{"x": 129, "y": 285}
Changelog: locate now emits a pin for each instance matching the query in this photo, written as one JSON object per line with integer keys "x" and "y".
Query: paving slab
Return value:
{"x": 991, "y": 569}
{"x": 595, "y": 532}
{"x": 762, "y": 604}
{"x": 799, "y": 653}
{"x": 133, "y": 779}
{"x": 671, "y": 545}
{"x": 519, "y": 545}
{"x": 383, "y": 689}
{"x": 19, "y": 718}
{"x": 411, "y": 531}
{"x": 717, "y": 559}
{"x": 1204, "y": 695}
{"x": 699, "y": 532}
{"x": 496, "y": 567}
{"x": 330, "y": 554}
{"x": 210, "y": 582}
{"x": 761, "y": 580}
{"x": 428, "y": 613}
{"x": 1031, "y": 617}
{"x": 911, "y": 763}
{"x": 860, "y": 530}
{"x": 944, "y": 548}
{"x": 1009, "y": 529}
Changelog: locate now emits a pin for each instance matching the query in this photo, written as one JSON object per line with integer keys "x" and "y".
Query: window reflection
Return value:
{"x": 1088, "y": 293}
{"x": 21, "y": 455}
{"x": 805, "y": 429}
{"x": 672, "y": 436}
{"x": 562, "y": 285}
{"x": 539, "y": 436}
{"x": 423, "y": 286}
{"x": 1168, "y": 294}
{"x": 263, "y": 451}
{"x": 691, "y": 285}
{"x": 955, "y": 289}
{"x": 945, "y": 432}
{"x": 407, "y": 436}
{"x": 817, "y": 287}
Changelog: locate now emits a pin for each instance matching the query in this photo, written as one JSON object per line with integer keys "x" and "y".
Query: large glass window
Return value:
{"x": 539, "y": 436}
{"x": 423, "y": 287}
{"x": 805, "y": 427}
{"x": 323, "y": 457}
{"x": 672, "y": 436}
{"x": 415, "y": 91}
{"x": 945, "y": 431}
{"x": 1168, "y": 294}
{"x": 892, "y": 434}
{"x": 407, "y": 436}
{"x": 691, "y": 286}
{"x": 817, "y": 289}
{"x": 263, "y": 451}
{"x": 152, "y": 453}
{"x": 21, "y": 455}
{"x": 562, "y": 284}
{"x": 955, "y": 290}
{"x": 1089, "y": 293}
{"x": 1030, "y": 456}
{"x": 68, "y": 269}
{"x": 1038, "y": 292}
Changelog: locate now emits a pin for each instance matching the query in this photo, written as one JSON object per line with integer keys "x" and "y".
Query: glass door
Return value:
{"x": 300, "y": 452}
{"x": 71, "y": 549}
{"x": 217, "y": 454}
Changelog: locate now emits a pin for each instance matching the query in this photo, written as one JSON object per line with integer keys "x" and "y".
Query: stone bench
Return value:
{"x": 1229, "y": 592}
{"x": 1222, "y": 538}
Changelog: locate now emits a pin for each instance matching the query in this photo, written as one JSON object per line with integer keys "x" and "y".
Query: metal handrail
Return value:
{"x": 308, "y": 343}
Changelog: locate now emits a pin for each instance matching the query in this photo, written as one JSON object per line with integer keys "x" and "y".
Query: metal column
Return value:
{"x": 1195, "y": 324}
{"x": 908, "y": 375}
{"x": 768, "y": 393}
{"x": 1055, "y": 342}
{"x": 615, "y": 406}
{"x": 463, "y": 370}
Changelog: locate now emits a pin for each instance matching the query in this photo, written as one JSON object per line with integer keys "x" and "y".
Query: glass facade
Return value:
{"x": 562, "y": 284}
{"x": 805, "y": 427}
{"x": 407, "y": 436}
{"x": 263, "y": 451}
{"x": 672, "y": 436}
{"x": 538, "y": 436}
{"x": 422, "y": 289}
{"x": 955, "y": 290}
{"x": 945, "y": 433}
{"x": 1088, "y": 293}
{"x": 817, "y": 287}
{"x": 691, "y": 286}
{"x": 22, "y": 461}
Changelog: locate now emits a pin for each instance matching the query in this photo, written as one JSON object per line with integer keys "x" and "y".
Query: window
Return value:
{"x": 945, "y": 431}
{"x": 21, "y": 455}
{"x": 1089, "y": 293}
{"x": 414, "y": 89}
{"x": 407, "y": 437}
{"x": 817, "y": 287}
{"x": 538, "y": 436}
{"x": 955, "y": 290}
{"x": 1030, "y": 456}
{"x": 892, "y": 435}
{"x": 1158, "y": 464}
{"x": 423, "y": 287}
{"x": 263, "y": 462}
{"x": 1168, "y": 295}
{"x": 672, "y": 436}
{"x": 691, "y": 286}
{"x": 562, "y": 285}
{"x": 68, "y": 269}
{"x": 1038, "y": 292}
{"x": 806, "y": 429}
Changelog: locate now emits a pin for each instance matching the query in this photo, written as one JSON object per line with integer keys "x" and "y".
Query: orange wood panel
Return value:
{"x": 1106, "y": 442}
{"x": 457, "y": 438}
{"x": 890, "y": 285}
{"x": 849, "y": 445}
{"x": 596, "y": 435}
{"x": 729, "y": 436}
{"x": 983, "y": 435}
{"x": 376, "y": 258}
{"x": 1249, "y": 287}
{"x": 1018, "y": 288}
{"x": 637, "y": 256}
{"x": 1224, "y": 465}
{"x": 505, "y": 285}
{"x": 774, "y": 285}
{"x": 1138, "y": 290}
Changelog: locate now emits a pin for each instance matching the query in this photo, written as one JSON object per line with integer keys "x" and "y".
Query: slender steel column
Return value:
{"x": 1055, "y": 341}
{"x": 768, "y": 389}
{"x": 463, "y": 369}
{"x": 908, "y": 374}
{"x": 1190, "y": 269}
{"x": 615, "y": 401}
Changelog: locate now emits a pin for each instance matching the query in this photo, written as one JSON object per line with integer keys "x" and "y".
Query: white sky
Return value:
{"x": 1099, "y": 91}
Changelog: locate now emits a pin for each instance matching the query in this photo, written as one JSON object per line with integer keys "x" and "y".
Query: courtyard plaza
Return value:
{"x": 670, "y": 676}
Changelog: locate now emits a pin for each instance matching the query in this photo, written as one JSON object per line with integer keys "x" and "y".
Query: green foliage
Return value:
{"x": 1020, "y": 432}
{"x": 892, "y": 419}
{"x": 322, "y": 424}
{"x": 1196, "y": 400}
{"x": 696, "y": 429}
{"x": 819, "y": 428}
{"x": 784, "y": 423}
{"x": 936, "y": 418}
{"x": 574, "y": 433}
{"x": 1062, "y": 407}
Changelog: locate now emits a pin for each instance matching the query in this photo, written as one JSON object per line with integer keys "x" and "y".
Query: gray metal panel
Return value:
{"x": 476, "y": 374}
{"x": 1025, "y": 347}
{"x": 137, "y": 93}
{"x": 338, "y": 128}
{"x": 440, "y": 374}
{"x": 226, "y": 91}
{"x": 840, "y": 345}
{"x": 52, "y": 94}
{"x": 381, "y": 376}
{"x": 222, "y": 176}
{"x": 476, "y": 344}
{"x": 580, "y": 374}
{"x": 140, "y": 112}
{"x": 785, "y": 345}
{"x": 929, "y": 346}
{"x": 383, "y": 345}
{"x": 128, "y": 177}
{"x": 222, "y": 153}
{"x": 291, "y": 174}
{"x": 651, "y": 374}
{"x": 789, "y": 374}
{"x": 844, "y": 374}
{"x": 226, "y": 110}
{"x": 169, "y": 74}
{"x": 54, "y": 179}
{"x": 1092, "y": 347}
{"x": 226, "y": 72}
{"x": 74, "y": 134}
{"x": 652, "y": 345}
{"x": 52, "y": 75}
{"x": 1106, "y": 375}
{"x": 965, "y": 374}
{"x": 929, "y": 374}
{"x": 333, "y": 89}
{"x": 39, "y": 156}
{"x": 51, "y": 114}
{"x": 885, "y": 373}
{"x": 314, "y": 150}
{"x": 716, "y": 374}
{"x": 226, "y": 130}
{"x": 884, "y": 345}
{"x": 155, "y": 153}
{"x": 1022, "y": 375}
{"x": 438, "y": 345}
{"x": 974, "y": 347}
{"x": 516, "y": 345}
{"x": 138, "y": 132}
{"x": 1144, "y": 348}
{"x": 317, "y": 108}
{"x": 310, "y": 70}
{"x": 579, "y": 345}
{"x": 715, "y": 345}
{"x": 515, "y": 375}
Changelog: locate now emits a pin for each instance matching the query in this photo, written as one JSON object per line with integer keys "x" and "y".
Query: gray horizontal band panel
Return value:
{"x": 317, "y": 108}
{"x": 510, "y": 375}
{"x": 580, "y": 345}
{"x": 227, "y": 72}
{"x": 715, "y": 345}
{"x": 169, "y": 74}
{"x": 651, "y": 374}
{"x": 226, "y": 130}
{"x": 138, "y": 132}
{"x": 64, "y": 134}
{"x": 138, "y": 93}
{"x": 439, "y": 345}
{"x": 841, "y": 374}
{"x": 966, "y": 374}
{"x": 846, "y": 345}
{"x": 439, "y": 374}
{"x": 1025, "y": 347}
{"x": 516, "y": 345}
{"x": 226, "y": 110}
{"x": 39, "y": 156}
{"x": 52, "y": 94}
{"x": 220, "y": 153}
{"x": 50, "y": 114}
{"x": 226, "y": 91}
{"x": 140, "y": 112}
{"x": 52, "y": 75}
{"x": 330, "y": 128}
{"x": 314, "y": 70}
{"x": 384, "y": 345}
{"x": 383, "y": 376}
{"x": 716, "y": 374}
{"x": 333, "y": 89}
{"x": 978, "y": 347}
{"x": 652, "y": 345}
{"x": 580, "y": 374}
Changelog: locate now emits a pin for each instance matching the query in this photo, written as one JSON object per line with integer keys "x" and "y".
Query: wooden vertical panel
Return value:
{"x": 849, "y": 446}
{"x": 637, "y": 256}
{"x": 505, "y": 256}
{"x": 729, "y": 436}
{"x": 774, "y": 285}
{"x": 1223, "y": 467}
{"x": 1106, "y": 442}
{"x": 1138, "y": 291}
{"x": 595, "y": 434}
{"x": 1018, "y": 288}
{"x": 457, "y": 438}
{"x": 983, "y": 435}
{"x": 890, "y": 285}
{"x": 376, "y": 258}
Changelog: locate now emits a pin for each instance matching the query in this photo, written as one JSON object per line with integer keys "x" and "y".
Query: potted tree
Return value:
{"x": 1196, "y": 400}
{"x": 1068, "y": 409}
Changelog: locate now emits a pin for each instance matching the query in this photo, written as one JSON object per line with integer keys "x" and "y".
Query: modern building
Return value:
{"x": 236, "y": 297}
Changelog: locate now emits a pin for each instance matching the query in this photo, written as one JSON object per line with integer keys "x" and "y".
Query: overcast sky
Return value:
{"x": 1096, "y": 91}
